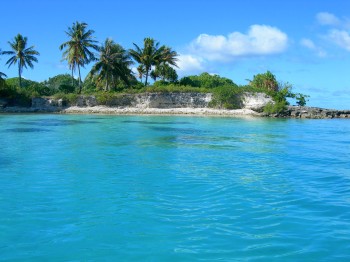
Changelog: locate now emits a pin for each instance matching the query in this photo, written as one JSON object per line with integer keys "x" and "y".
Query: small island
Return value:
{"x": 206, "y": 95}
{"x": 113, "y": 86}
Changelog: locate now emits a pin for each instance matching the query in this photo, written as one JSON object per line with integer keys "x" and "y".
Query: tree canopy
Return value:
{"x": 21, "y": 54}
{"x": 205, "y": 80}
{"x": 152, "y": 55}
{"x": 113, "y": 65}
{"x": 266, "y": 81}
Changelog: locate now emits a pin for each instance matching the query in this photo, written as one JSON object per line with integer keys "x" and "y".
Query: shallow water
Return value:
{"x": 158, "y": 188}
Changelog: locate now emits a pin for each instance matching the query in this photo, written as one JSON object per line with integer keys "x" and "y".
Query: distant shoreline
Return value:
{"x": 291, "y": 112}
{"x": 198, "y": 104}
{"x": 105, "y": 110}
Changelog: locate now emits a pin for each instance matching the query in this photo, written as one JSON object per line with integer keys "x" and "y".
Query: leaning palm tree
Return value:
{"x": 148, "y": 56}
{"x": 112, "y": 65}
{"x": 78, "y": 48}
{"x": 21, "y": 54}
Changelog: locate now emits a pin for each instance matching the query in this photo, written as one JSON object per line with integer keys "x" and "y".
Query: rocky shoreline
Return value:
{"x": 170, "y": 104}
{"x": 312, "y": 113}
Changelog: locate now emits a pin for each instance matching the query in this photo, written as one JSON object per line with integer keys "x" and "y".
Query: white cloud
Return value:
{"x": 325, "y": 18}
{"x": 259, "y": 40}
{"x": 189, "y": 63}
{"x": 339, "y": 32}
{"x": 309, "y": 44}
{"x": 340, "y": 37}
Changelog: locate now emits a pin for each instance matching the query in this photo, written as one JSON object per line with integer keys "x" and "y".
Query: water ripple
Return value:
{"x": 145, "y": 189}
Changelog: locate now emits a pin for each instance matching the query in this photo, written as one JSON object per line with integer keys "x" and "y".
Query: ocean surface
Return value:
{"x": 168, "y": 188}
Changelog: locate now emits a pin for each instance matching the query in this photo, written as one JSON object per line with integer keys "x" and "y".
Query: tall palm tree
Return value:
{"x": 147, "y": 56}
{"x": 78, "y": 48}
{"x": 21, "y": 54}
{"x": 113, "y": 64}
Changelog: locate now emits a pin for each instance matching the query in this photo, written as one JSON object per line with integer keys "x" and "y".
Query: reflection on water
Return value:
{"x": 156, "y": 122}
{"x": 55, "y": 122}
{"x": 27, "y": 130}
{"x": 174, "y": 129}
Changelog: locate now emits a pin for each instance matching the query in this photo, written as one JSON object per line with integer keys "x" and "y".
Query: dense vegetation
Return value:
{"x": 111, "y": 74}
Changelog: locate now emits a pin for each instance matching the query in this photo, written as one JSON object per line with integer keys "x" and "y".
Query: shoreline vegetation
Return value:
{"x": 119, "y": 74}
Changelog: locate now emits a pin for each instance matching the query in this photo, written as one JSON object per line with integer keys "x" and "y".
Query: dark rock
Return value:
{"x": 312, "y": 113}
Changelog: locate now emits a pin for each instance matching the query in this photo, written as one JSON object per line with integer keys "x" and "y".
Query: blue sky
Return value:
{"x": 303, "y": 42}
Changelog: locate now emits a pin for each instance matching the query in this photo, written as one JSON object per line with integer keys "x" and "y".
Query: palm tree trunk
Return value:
{"x": 79, "y": 79}
{"x": 107, "y": 80}
{"x": 19, "y": 75}
{"x": 106, "y": 87}
{"x": 147, "y": 70}
{"x": 72, "y": 78}
{"x": 113, "y": 81}
{"x": 146, "y": 79}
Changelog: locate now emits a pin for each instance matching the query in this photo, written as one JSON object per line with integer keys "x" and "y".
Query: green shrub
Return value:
{"x": 66, "y": 89}
{"x": 6, "y": 91}
{"x": 205, "y": 80}
{"x": 104, "y": 98}
{"x": 54, "y": 83}
{"x": 21, "y": 96}
{"x": 70, "y": 98}
{"x": 274, "y": 108}
{"x": 114, "y": 99}
{"x": 161, "y": 83}
{"x": 24, "y": 98}
{"x": 172, "y": 88}
{"x": 37, "y": 89}
{"x": 301, "y": 99}
{"x": 265, "y": 82}
{"x": 227, "y": 96}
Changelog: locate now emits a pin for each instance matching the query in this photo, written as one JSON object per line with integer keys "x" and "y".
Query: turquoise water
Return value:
{"x": 158, "y": 188}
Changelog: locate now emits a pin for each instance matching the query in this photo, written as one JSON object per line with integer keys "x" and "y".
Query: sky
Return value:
{"x": 302, "y": 42}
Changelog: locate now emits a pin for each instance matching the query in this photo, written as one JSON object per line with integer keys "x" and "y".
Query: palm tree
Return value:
{"x": 165, "y": 72}
{"x": 2, "y": 76}
{"x": 169, "y": 56}
{"x": 1, "y": 73}
{"x": 78, "y": 48}
{"x": 153, "y": 55}
{"x": 147, "y": 56}
{"x": 2, "y": 80}
{"x": 155, "y": 74}
{"x": 21, "y": 54}
{"x": 112, "y": 65}
{"x": 141, "y": 71}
